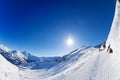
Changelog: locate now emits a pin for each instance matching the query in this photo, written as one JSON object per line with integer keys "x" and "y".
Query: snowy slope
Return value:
{"x": 114, "y": 35}
{"x": 7, "y": 70}
{"x": 92, "y": 65}
{"x": 85, "y": 63}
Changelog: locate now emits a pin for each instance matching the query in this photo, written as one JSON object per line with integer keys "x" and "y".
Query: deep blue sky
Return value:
{"x": 42, "y": 26}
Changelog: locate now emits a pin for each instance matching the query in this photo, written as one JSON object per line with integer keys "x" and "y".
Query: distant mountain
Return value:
{"x": 40, "y": 62}
{"x": 13, "y": 56}
{"x": 25, "y": 59}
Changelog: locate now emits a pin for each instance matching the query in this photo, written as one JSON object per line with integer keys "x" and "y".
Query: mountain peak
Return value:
{"x": 2, "y": 47}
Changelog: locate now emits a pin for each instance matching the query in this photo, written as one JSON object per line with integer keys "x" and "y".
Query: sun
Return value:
{"x": 70, "y": 41}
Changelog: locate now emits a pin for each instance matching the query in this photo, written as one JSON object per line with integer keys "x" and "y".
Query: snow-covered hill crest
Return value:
{"x": 114, "y": 36}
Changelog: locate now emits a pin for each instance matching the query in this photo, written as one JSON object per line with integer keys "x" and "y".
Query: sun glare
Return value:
{"x": 69, "y": 41}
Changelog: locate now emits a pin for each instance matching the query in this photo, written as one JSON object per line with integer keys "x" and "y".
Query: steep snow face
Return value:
{"x": 7, "y": 70}
{"x": 114, "y": 35}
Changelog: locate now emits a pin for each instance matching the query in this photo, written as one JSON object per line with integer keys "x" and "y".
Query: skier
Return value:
{"x": 109, "y": 49}
{"x": 102, "y": 46}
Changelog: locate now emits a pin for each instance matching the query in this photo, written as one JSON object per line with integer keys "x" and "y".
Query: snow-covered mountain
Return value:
{"x": 34, "y": 62}
{"x": 13, "y": 56}
{"x": 25, "y": 59}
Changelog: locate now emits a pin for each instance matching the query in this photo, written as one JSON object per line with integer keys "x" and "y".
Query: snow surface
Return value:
{"x": 93, "y": 65}
{"x": 7, "y": 70}
{"x": 85, "y": 63}
{"x": 114, "y": 35}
